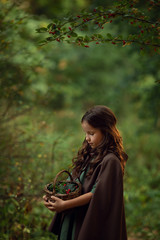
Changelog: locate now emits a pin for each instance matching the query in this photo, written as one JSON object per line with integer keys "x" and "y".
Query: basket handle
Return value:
{"x": 58, "y": 174}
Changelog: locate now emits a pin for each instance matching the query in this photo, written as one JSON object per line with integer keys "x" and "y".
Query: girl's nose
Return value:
{"x": 87, "y": 138}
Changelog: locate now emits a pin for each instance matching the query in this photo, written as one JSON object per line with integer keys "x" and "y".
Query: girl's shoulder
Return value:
{"x": 111, "y": 159}
{"x": 110, "y": 169}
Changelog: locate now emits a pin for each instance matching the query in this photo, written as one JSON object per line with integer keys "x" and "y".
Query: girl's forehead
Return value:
{"x": 87, "y": 127}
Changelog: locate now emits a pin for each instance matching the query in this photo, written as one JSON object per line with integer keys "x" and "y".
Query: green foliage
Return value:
{"x": 17, "y": 58}
{"x": 143, "y": 26}
{"x": 63, "y": 187}
{"x": 28, "y": 161}
{"x": 142, "y": 201}
{"x": 45, "y": 91}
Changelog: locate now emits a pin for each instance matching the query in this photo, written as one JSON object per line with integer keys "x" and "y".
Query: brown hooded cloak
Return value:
{"x": 103, "y": 218}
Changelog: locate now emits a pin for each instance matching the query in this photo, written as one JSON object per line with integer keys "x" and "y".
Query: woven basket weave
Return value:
{"x": 66, "y": 196}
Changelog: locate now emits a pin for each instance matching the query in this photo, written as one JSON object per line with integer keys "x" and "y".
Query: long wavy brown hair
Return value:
{"x": 103, "y": 118}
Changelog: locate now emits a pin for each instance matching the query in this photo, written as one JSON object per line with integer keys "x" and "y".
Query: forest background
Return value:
{"x": 43, "y": 95}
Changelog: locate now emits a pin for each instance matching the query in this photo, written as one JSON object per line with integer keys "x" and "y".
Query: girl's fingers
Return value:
{"x": 45, "y": 198}
{"x": 54, "y": 204}
{"x": 47, "y": 203}
{"x": 51, "y": 203}
{"x": 51, "y": 208}
{"x": 55, "y": 198}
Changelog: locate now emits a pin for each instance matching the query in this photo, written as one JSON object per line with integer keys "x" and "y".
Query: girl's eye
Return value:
{"x": 91, "y": 134}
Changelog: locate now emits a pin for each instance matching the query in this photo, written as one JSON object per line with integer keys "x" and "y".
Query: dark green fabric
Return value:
{"x": 68, "y": 227}
{"x": 68, "y": 222}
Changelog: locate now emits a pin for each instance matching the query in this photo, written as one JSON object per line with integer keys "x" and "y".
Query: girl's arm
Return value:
{"x": 60, "y": 205}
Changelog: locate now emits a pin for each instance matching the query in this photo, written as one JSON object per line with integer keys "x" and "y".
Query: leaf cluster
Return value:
{"x": 63, "y": 187}
{"x": 142, "y": 30}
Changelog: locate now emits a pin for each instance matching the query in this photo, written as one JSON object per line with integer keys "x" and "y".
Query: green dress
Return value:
{"x": 68, "y": 226}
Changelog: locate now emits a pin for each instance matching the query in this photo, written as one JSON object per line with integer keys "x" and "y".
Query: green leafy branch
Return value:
{"x": 80, "y": 30}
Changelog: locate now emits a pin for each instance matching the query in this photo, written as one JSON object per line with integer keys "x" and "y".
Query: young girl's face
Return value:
{"x": 94, "y": 136}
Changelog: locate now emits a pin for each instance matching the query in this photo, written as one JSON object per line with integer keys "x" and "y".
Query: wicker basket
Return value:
{"x": 66, "y": 196}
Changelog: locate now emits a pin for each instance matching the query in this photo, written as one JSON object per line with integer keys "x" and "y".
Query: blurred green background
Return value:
{"x": 43, "y": 95}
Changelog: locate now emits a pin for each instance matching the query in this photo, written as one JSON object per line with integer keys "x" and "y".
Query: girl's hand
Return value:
{"x": 46, "y": 203}
{"x": 56, "y": 206}
{"x": 45, "y": 198}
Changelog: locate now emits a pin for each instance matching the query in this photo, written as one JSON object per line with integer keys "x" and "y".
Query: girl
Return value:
{"x": 98, "y": 214}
